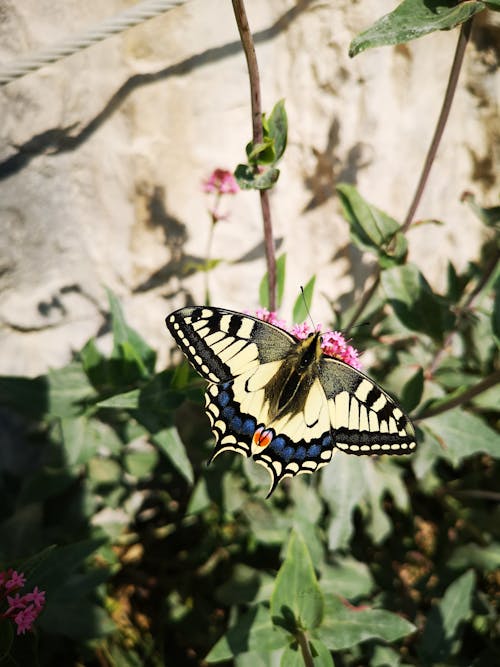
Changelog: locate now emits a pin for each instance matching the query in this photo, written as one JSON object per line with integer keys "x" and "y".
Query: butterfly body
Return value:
{"x": 282, "y": 400}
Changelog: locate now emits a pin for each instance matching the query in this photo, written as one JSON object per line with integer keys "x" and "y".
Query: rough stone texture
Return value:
{"x": 121, "y": 204}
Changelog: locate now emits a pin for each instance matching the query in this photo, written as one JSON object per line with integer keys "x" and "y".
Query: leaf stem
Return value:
{"x": 305, "y": 648}
{"x": 257, "y": 137}
{"x": 464, "y": 397}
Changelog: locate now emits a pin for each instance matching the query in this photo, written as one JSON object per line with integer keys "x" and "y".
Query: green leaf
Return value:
{"x": 297, "y": 601}
{"x": 445, "y": 618}
{"x": 280, "y": 284}
{"x": 414, "y": 302}
{"x": 78, "y": 443}
{"x": 302, "y": 306}
{"x": 495, "y": 318}
{"x": 254, "y": 631}
{"x": 412, "y": 391}
{"x": 343, "y": 627}
{"x": 485, "y": 557}
{"x": 126, "y": 340}
{"x": 250, "y": 179}
{"x": 348, "y": 578}
{"x": 413, "y": 19}
{"x": 489, "y": 216}
{"x": 140, "y": 464}
{"x": 278, "y": 129}
{"x": 261, "y": 154}
{"x": 170, "y": 443}
{"x": 129, "y": 400}
{"x": 371, "y": 229}
{"x": 462, "y": 434}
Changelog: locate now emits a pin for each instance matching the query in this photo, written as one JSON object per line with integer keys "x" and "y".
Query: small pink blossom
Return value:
{"x": 333, "y": 343}
{"x": 271, "y": 317}
{"x": 222, "y": 182}
{"x": 22, "y": 609}
{"x": 16, "y": 580}
{"x": 25, "y": 619}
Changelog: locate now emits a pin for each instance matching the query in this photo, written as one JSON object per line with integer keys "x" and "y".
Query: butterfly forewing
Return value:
{"x": 261, "y": 402}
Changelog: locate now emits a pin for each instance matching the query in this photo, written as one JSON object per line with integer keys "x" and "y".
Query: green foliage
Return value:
{"x": 260, "y": 171}
{"x": 280, "y": 284}
{"x": 412, "y": 19}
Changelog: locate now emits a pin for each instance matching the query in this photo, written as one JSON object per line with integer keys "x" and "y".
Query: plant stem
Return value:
{"x": 463, "y": 38}
{"x": 305, "y": 649}
{"x": 257, "y": 137}
{"x": 464, "y": 397}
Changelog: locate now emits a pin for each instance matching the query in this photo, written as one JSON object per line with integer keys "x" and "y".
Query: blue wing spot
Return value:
{"x": 288, "y": 452}
{"x": 300, "y": 454}
{"x": 223, "y": 398}
{"x": 226, "y": 385}
{"x": 228, "y": 412}
{"x": 314, "y": 451}
{"x": 248, "y": 427}
{"x": 327, "y": 442}
{"x": 236, "y": 424}
{"x": 278, "y": 444}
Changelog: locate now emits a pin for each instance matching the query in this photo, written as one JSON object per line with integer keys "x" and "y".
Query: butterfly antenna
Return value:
{"x": 307, "y": 308}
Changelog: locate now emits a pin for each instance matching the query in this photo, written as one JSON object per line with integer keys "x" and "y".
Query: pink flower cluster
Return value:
{"x": 23, "y": 609}
{"x": 333, "y": 343}
{"x": 222, "y": 182}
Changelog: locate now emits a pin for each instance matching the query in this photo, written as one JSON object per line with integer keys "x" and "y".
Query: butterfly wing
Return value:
{"x": 364, "y": 419}
{"x": 222, "y": 344}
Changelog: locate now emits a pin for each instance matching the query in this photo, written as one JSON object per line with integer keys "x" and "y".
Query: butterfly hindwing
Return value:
{"x": 363, "y": 417}
{"x": 235, "y": 430}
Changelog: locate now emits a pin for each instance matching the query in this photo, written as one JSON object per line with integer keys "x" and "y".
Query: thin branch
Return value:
{"x": 463, "y": 38}
{"x": 464, "y": 397}
{"x": 257, "y": 136}
{"x": 305, "y": 649}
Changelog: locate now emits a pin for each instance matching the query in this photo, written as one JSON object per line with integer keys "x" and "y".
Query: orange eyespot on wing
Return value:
{"x": 262, "y": 437}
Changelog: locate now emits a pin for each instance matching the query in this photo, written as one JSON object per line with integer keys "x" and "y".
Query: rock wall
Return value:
{"x": 102, "y": 156}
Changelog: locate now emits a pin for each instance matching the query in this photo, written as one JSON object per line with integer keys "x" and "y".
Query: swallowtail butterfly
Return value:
{"x": 281, "y": 400}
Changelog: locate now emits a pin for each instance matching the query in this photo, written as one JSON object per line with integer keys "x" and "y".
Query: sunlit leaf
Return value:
{"x": 413, "y": 19}
{"x": 302, "y": 306}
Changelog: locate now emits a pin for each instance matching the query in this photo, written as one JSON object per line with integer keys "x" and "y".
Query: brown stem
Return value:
{"x": 257, "y": 136}
{"x": 305, "y": 649}
{"x": 464, "y": 397}
{"x": 463, "y": 38}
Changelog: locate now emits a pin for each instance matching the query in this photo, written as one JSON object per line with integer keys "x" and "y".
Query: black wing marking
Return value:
{"x": 221, "y": 344}
{"x": 364, "y": 418}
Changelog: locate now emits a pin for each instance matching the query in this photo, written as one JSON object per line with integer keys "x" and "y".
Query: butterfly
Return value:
{"x": 281, "y": 400}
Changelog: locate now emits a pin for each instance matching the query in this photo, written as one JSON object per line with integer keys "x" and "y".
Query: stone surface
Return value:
{"x": 102, "y": 156}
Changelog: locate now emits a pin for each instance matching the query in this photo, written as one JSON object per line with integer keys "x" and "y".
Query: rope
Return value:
{"x": 116, "y": 24}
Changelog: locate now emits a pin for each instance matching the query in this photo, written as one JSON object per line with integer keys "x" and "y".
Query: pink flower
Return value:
{"x": 333, "y": 343}
{"x": 23, "y": 609}
{"x": 222, "y": 182}
{"x": 16, "y": 580}
{"x": 25, "y": 619}
{"x": 271, "y": 317}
